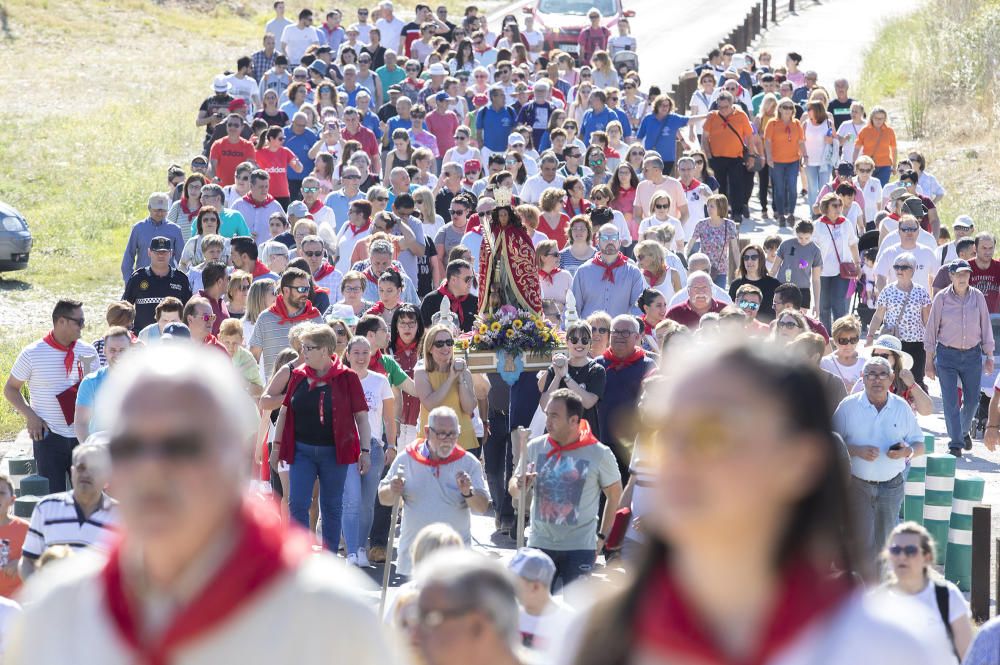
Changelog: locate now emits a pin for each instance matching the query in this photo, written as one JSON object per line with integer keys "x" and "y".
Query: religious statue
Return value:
{"x": 508, "y": 273}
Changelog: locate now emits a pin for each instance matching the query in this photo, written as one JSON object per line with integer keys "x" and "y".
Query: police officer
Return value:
{"x": 150, "y": 285}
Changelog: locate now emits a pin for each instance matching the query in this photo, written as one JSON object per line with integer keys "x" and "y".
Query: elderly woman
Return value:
{"x": 878, "y": 141}
{"x": 445, "y": 381}
{"x": 845, "y": 361}
{"x": 578, "y": 372}
{"x": 656, "y": 272}
{"x": 904, "y": 384}
{"x": 324, "y": 429}
{"x": 901, "y": 310}
{"x": 352, "y": 290}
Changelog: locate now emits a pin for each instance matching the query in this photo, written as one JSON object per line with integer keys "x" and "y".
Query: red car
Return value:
{"x": 562, "y": 20}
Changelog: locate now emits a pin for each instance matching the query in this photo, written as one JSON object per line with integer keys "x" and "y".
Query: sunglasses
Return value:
{"x": 788, "y": 323}
{"x": 900, "y": 268}
{"x": 310, "y": 190}
{"x": 82, "y": 322}
{"x": 908, "y": 550}
{"x": 908, "y": 229}
{"x": 573, "y": 339}
{"x": 456, "y": 211}
{"x": 844, "y": 341}
{"x": 864, "y": 170}
{"x": 752, "y": 306}
{"x": 299, "y": 289}
{"x": 442, "y": 343}
{"x": 602, "y": 331}
{"x": 173, "y": 448}
{"x": 313, "y": 255}
{"x": 659, "y": 206}
{"x": 751, "y": 257}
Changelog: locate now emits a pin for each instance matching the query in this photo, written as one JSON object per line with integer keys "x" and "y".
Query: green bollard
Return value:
{"x": 958, "y": 557}
{"x": 939, "y": 486}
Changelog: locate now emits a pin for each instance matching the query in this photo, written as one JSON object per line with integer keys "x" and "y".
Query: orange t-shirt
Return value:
{"x": 12, "y": 535}
{"x": 867, "y": 139}
{"x": 229, "y": 156}
{"x": 784, "y": 140}
{"x": 724, "y": 141}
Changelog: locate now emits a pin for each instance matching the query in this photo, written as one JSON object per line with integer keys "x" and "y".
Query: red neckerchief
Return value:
{"x": 265, "y": 552}
{"x": 646, "y": 328}
{"x": 324, "y": 270}
{"x": 314, "y": 208}
{"x": 260, "y": 269}
{"x": 609, "y": 270}
{"x": 375, "y": 363}
{"x": 585, "y": 207}
{"x": 667, "y": 625}
{"x": 833, "y": 222}
{"x": 585, "y": 438}
{"x": 894, "y": 216}
{"x": 51, "y": 340}
{"x": 475, "y": 224}
{"x": 695, "y": 183}
{"x": 189, "y": 213}
{"x": 281, "y": 311}
{"x": 267, "y": 200}
{"x": 548, "y": 276}
{"x": 403, "y": 347}
{"x": 336, "y": 369}
{"x": 372, "y": 277}
{"x": 456, "y": 302}
{"x": 615, "y": 363}
{"x": 611, "y": 153}
{"x": 415, "y": 450}
{"x": 653, "y": 279}
{"x": 355, "y": 230}
{"x": 377, "y": 308}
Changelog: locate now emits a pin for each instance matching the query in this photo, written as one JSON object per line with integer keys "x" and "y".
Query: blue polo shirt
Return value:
{"x": 370, "y": 120}
{"x": 661, "y": 135}
{"x": 340, "y": 202}
{"x": 596, "y": 122}
{"x": 300, "y": 145}
{"x": 496, "y": 126}
{"x": 87, "y": 393}
{"x": 395, "y": 122}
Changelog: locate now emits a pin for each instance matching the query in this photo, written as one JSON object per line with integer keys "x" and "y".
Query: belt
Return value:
{"x": 879, "y": 482}
{"x": 953, "y": 348}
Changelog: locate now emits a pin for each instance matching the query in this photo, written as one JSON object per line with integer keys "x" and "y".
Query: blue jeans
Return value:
{"x": 359, "y": 500}
{"x": 882, "y": 174}
{"x": 816, "y": 177}
{"x": 832, "y": 299}
{"x": 953, "y": 366}
{"x": 783, "y": 177}
{"x": 571, "y": 564}
{"x": 312, "y": 462}
{"x": 876, "y": 511}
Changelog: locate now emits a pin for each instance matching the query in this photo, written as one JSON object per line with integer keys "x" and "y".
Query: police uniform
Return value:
{"x": 145, "y": 289}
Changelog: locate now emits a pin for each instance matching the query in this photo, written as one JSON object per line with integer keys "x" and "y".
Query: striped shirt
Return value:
{"x": 43, "y": 368}
{"x": 271, "y": 337}
{"x": 58, "y": 520}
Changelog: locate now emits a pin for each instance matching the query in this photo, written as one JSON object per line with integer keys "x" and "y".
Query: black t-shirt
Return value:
{"x": 591, "y": 378}
{"x": 279, "y": 119}
{"x": 425, "y": 277}
{"x": 378, "y": 57}
{"x": 841, "y": 111}
{"x": 145, "y": 289}
{"x": 215, "y": 104}
{"x": 767, "y": 285}
{"x": 442, "y": 204}
{"x": 387, "y": 110}
{"x": 431, "y": 304}
{"x": 311, "y": 426}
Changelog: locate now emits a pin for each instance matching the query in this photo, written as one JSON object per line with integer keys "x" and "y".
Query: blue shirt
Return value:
{"x": 621, "y": 394}
{"x": 370, "y": 120}
{"x": 593, "y": 293}
{"x": 136, "y": 255}
{"x": 87, "y": 393}
{"x": 661, "y": 135}
{"x": 861, "y": 424}
{"x": 339, "y": 202}
{"x": 300, "y": 145}
{"x": 986, "y": 645}
{"x": 595, "y": 122}
{"x": 496, "y": 126}
{"x": 395, "y": 122}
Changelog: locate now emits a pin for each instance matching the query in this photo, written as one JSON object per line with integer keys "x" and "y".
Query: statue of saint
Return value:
{"x": 508, "y": 273}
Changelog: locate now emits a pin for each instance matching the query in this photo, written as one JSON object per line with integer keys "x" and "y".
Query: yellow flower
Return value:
{"x": 495, "y": 326}
{"x": 510, "y": 333}
{"x": 518, "y": 324}
{"x": 545, "y": 336}
{"x": 482, "y": 329}
{"x": 477, "y": 339}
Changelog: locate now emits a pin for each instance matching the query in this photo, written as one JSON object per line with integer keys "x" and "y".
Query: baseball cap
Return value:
{"x": 964, "y": 221}
{"x": 533, "y": 565}
{"x": 515, "y": 139}
{"x": 161, "y": 244}
{"x": 325, "y": 48}
{"x": 915, "y": 207}
{"x": 238, "y": 103}
{"x": 176, "y": 330}
{"x": 443, "y": 97}
{"x": 473, "y": 166}
{"x": 220, "y": 84}
{"x": 199, "y": 160}
{"x": 298, "y": 208}
{"x": 959, "y": 265}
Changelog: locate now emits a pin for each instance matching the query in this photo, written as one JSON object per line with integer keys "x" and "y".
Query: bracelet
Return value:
{"x": 602, "y": 536}
{"x": 469, "y": 495}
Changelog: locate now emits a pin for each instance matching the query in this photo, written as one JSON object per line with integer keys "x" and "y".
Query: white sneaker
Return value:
{"x": 352, "y": 560}
{"x": 362, "y": 558}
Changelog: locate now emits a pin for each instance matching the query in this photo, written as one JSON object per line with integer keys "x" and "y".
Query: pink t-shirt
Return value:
{"x": 442, "y": 126}
{"x": 276, "y": 162}
{"x": 672, "y": 186}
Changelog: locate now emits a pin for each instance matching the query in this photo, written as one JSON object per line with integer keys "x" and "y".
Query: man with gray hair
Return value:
{"x": 136, "y": 256}
{"x": 547, "y": 176}
{"x": 700, "y": 301}
{"x": 340, "y": 200}
{"x": 80, "y": 517}
{"x": 698, "y": 261}
{"x": 608, "y": 282}
{"x": 200, "y": 571}
{"x": 543, "y": 618}
{"x": 437, "y": 481}
{"x": 379, "y": 260}
{"x": 882, "y": 434}
{"x": 323, "y": 273}
{"x": 467, "y": 611}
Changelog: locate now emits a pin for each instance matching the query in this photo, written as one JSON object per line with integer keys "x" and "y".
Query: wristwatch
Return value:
{"x": 469, "y": 495}
{"x": 367, "y": 450}
{"x": 602, "y": 536}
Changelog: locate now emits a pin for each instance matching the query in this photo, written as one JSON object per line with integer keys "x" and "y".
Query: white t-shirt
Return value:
{"x": 541, "y": 631}
{"x": 923, "y": 237}
{"x": 930, "y": 622}
{"x": 297, "y": 40}
{"x": 848, "y": 374}
{"x": 833, "y": 239}
{"x": 453, "y": 155}
{"x": 717, "y": 293}
{"x": 377, "y": 390}
{"x": 276, "y": 26}
{"x": 815, "y": 141}
{"x": 680, "y": 236}
{"x": 927, "y": 263}
{"x": 872, "y": 193}
{"x": 43, "y": 368}
{"x": 245, "y": 88}
{"x": 696, "y": 198}
{"x": 929, "y": 185}
{"x": 9, "y": 612}
{"x": 531, "y": 191}
{"x": 620, "y": 43}
{"x": 850, "y": 131}
{"x": 390, "y": 32}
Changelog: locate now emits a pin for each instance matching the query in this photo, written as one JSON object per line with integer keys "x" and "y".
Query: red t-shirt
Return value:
{"x": 559, "y": 233}
{"x": 988, "y": 281}
{"x": 11, "y": 535}
{"x": 229, "y": 156}
{"x": 365, "y": 137}
{"x": 276, "y": 162}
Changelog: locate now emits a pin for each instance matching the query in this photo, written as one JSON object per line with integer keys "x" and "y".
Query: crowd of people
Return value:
{"x": 369, "y": 191}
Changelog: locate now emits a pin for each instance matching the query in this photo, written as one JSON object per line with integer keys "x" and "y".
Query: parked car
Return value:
{"x": 562, "y": 20}
{"x": 15, "y": 239}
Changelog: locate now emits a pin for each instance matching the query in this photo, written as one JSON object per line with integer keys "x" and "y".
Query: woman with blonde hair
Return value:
{"x": 555, "y": 281}
{"x": 444, "y": 380}
{"x": 259, "y": 298}
{"x": 603, "y": 74}
{"x": 910, "y": 554}
{"x": 600, "y": 331}
{"x": 656, "y": 272}
{"x": 237, "y": 292}
{"x": 878, "y": 141}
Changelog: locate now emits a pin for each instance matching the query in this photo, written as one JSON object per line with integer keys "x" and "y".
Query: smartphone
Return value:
{"x": 896, "y": 446}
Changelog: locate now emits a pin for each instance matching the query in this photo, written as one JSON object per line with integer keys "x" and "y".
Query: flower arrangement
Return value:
{"x": 514, "y": 331}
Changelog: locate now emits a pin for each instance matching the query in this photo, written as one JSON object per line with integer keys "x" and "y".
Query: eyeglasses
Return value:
{"x": 299, "y": 289}
{"x": 608, "y": 236}
{"x": 659, "y": 206}
{"x": 442, "y": 343}
{"x": 243, "y": 287}
{"x": 601, "y": 331}
{"x": 461, "y": 137}
{"x": 81, "y": 322}
{"x": 836, "y": 204}
{"x": 182, "y": 447}
{"x": 622, "y": 333}
{"x": 908, "y": 550}
{"x": 353, "y": 289}
{"x": 456, "y": 212}
{"x": 900, "y": 268}
{"x": 746, "y": 304}
{"x": 788, "y": 323}
{"x": 751, "y": 257}
{"x": 699, "y": 162}
{"x": 573, "y": 339}
{"x": 310, "y": 190}
{"x": 467, "y": 280}
{"x": 864, "y": 170}
{"x": 908, "y": 229}
{"x": 351, "y": 177}
{"x": 844, "y": 341}
{"x": 447, "y": 436}
{"x": 877, "y": 374}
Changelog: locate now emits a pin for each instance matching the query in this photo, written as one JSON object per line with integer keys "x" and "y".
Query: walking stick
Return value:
{"x": 397, "y": 502}
{"x": 522, "y": 440}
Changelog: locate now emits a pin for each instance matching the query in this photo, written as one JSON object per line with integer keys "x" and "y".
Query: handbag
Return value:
{"x": 893, "y": 330}
{"x": 751, "y": 161}
{"x": 848, "y": 269}
{"x": 831, "y": 153}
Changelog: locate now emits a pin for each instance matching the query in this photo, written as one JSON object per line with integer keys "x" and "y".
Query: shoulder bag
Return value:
{"x": 893, "y": 329}
{"x": 848, "y": 269}
{"x": 752, "y": 161}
